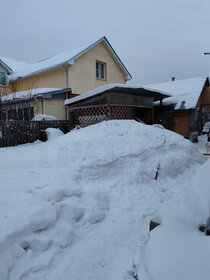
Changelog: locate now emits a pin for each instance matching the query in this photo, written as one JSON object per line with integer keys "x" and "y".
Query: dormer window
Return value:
{"x": 100, "y": 70}
{"x": 2, "y": 79}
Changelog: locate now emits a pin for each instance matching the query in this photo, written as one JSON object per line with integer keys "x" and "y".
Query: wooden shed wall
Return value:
{"x": 181, "y": 123}
{"x": 115, "y": 98}
{"x": 204, "y": 97}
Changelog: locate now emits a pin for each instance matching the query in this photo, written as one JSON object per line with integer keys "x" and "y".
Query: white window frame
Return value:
{"x": 100, "y": 70}
{"x": 4, "y": 78}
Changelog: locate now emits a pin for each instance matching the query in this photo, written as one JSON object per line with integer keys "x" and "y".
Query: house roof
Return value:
{"x": 120, "y": 88}
{"x": 184, "y": 93}
{"x": 11, "y": 64}
{"x": 37, "y": 92}
{"x": 67, "y": 58}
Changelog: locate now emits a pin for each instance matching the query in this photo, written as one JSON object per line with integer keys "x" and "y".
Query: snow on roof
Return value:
{"x": 13, "y": 64}
{"x": 93, "y": 92}
{"x": 45, "y": 64}
{"x": 184, "y": 93}
{"x": 66, "y": 58}
{"x": 103, "y": 89}
{"x": 26, "y": 94}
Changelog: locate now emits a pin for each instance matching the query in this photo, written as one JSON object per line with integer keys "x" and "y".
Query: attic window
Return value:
{"x": 2, "y": 79}
{"x": 100, "y": 70}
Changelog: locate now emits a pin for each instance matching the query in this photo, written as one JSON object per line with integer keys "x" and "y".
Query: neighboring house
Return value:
{"x": 25, "y": 105}
{"x": 187, "y": 109}
{"x": 7, "y": 67}
{"x": 113, "y": 101}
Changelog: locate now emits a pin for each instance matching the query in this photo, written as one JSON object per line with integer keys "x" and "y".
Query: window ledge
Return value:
{"x": 101, "y": 79}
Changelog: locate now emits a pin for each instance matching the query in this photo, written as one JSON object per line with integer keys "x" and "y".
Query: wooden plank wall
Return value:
{"x": 13, "y": 133}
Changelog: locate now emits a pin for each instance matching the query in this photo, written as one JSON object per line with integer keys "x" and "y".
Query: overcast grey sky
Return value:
{"x": 156, "y": 39}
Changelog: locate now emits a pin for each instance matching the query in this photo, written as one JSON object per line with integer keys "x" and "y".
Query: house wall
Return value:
{"x": 82, "y": 75}
{"x": 3, "y": 89}
{"x": 51, "y": 79}
{"x": 55, "y": 108}
{"x": 51, "y": 107}
{"x": 204, "y": 97}
{"x": 38, "y": 107}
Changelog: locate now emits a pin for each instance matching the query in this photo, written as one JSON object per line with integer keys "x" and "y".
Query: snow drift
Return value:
{"x": 78, "y": 206}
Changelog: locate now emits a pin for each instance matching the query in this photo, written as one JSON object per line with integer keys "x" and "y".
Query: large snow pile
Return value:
{"x": 78, "y": 206}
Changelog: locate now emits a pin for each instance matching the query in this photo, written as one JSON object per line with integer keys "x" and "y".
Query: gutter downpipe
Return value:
{"x": 66, "y": 75}
{"x": 65, "y": 69}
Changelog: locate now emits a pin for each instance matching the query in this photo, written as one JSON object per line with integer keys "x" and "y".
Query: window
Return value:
{"x": 100, "y": 70}
{"x": 2, "y": 79}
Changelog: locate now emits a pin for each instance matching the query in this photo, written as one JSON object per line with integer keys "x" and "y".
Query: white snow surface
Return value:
{"x": 98, "y": 91}
{"x": 26, "y": 94}
{"x": 79, "y": 206}
{"x": 41, "y": 117}
{"x": 53, "y": 133}
{"x": 184, "y": 93}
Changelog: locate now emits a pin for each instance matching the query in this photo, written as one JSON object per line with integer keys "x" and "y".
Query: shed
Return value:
{"x": 188, "y": 108}
{"x": 113, "y": 101}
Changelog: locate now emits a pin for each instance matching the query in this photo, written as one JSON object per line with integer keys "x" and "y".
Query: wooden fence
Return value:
{"x": 13, "y": 133}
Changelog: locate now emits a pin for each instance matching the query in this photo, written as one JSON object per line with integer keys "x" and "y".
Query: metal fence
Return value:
{"x": 13, "y": 133}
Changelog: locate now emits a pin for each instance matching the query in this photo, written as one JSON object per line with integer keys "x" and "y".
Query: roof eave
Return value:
{"x": 42, "y": 71}
{"x": 5, "y": 66}
{"x": 72, "y": 59}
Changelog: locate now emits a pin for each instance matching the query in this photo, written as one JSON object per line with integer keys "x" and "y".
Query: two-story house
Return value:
{"x": 80, "y": 69}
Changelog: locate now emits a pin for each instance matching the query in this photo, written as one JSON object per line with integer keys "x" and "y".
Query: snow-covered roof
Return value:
{"x": 115, "y": 87}
{"x": 12, "y": 64}
{"x": 27, "y": 94}
{"x": 91, "y": 93}
{"x": 184, "y": 93}
{"x": 67, "y": 58}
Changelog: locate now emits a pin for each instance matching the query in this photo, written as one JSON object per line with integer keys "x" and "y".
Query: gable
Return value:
{"x": 67, "y": 58}
{"x": 82, "y": 74}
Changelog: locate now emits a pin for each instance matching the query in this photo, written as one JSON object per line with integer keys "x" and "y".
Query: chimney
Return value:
{"x": 173, "y": 79}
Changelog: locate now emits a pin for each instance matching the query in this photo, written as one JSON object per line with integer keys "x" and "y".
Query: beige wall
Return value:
{"x": 55, "y": 108}
{"x": 82, "y": 75}
{"x": 50, "y": 79}
{"x": 51, "y": 107}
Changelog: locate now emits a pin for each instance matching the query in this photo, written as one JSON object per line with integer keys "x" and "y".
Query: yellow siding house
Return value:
{"x": 81, "y": 69}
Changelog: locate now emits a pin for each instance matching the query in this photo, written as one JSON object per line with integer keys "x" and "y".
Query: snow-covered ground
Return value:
{"x": 79, "y": 206}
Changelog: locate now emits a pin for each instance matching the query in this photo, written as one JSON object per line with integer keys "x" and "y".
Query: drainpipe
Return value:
{"x": 65, "y": 69}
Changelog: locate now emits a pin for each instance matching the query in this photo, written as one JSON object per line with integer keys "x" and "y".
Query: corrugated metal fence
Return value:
{"x": 13, "y": 133}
